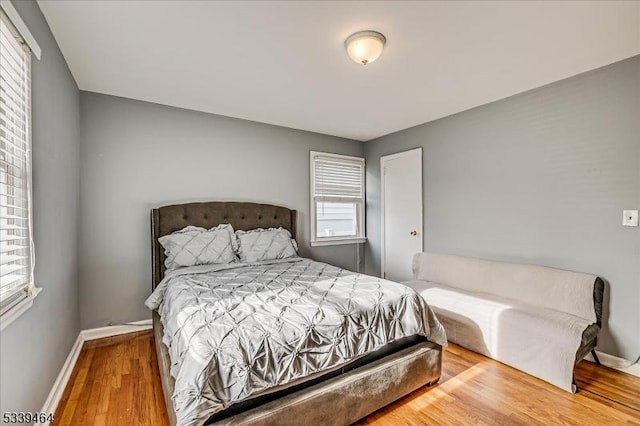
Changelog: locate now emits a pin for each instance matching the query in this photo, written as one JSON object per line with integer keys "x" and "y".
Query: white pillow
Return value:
{"x": 192, "y": 246}
{"x": 265, "y": 244}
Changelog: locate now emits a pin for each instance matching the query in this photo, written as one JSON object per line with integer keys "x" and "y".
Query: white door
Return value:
{"x": 401, "y": 212}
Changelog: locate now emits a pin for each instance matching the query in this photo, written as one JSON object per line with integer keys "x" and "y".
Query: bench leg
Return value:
{"x": 595, "y": 356}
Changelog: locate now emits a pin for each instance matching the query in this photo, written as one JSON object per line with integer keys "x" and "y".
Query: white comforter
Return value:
{"x": 237, "y": 331}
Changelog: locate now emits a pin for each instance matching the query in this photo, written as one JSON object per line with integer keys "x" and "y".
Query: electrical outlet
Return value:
{"x": 630, "y": 218}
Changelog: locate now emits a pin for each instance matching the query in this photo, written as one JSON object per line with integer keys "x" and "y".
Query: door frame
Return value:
{"x": 383, "y": 160}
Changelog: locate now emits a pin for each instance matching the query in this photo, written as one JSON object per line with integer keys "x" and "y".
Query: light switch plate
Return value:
{"x": 630, "y": 218}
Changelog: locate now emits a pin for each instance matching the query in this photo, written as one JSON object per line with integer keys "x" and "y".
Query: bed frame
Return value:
{"x": 340, "y": 398}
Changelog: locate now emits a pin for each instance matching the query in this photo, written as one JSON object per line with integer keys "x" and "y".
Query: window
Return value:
{"x": 16, "y": 248}
{"x": 337, "y": 199}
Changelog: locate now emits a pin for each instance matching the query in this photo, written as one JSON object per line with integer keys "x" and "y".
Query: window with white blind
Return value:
{"x": 337, "y": 199}
{"x": 16, "y": 248}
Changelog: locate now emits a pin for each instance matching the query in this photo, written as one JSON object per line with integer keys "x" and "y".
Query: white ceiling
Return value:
{"x": 284, "y": 63}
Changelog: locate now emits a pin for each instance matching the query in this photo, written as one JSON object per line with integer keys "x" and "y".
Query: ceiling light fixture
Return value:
{"x": 365, "y": 47}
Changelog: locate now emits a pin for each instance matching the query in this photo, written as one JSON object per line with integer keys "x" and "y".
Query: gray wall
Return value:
{"x": 138, "y": 155}
{"x": 35, "y": 346}
{"x": 541, "y": 177}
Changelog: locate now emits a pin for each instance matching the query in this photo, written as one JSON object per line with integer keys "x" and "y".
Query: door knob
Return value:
{"x": 414, "y": 233}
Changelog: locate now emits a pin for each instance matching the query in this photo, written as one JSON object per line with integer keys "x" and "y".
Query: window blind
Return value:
{"x": 16, "y": 260}
{"x": 337, "y": 198}
{"x": 336, "y": 177}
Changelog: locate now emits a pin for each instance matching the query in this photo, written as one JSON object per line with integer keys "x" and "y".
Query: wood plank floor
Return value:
{"x": 116, "y": 382}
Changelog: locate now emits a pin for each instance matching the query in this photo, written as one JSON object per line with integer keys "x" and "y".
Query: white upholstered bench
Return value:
{"x": 539, "y": 320}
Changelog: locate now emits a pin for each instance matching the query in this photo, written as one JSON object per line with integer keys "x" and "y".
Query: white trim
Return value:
{"x": 353, "y": 158}
{"x": 21, "y": 27}
{"x": 60, "y": 384}
{"x": 616, "y": 363}
{"x": 360, "y": 202}
{"x": 14, "y": 313}
{"x": 115, "y": 330}
{"x": 51, "y": 404}
{"x": 338, "y": 241}
{"x": 383, "y": 160}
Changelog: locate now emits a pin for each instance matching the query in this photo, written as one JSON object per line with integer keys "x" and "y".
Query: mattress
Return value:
{"x": 240, "y": 331}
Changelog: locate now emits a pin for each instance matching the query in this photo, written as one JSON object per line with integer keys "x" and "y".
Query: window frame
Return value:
{"x": 21, "y": 298}
{"x": 360, "y": 236}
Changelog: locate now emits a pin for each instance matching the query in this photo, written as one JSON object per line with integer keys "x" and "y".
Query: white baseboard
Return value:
{"x": 115, "y": 330}
{"x": 60, "y": 384}
{"x": 616, "y": 363}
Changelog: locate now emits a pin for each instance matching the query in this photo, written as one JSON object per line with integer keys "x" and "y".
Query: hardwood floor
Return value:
{"x": 477, "y": 390}
{"x": 116, "y": 382}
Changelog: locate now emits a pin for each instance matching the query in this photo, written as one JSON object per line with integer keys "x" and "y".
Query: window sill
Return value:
{"x": 337, "y": 241}
{"x": 14, "y": 313}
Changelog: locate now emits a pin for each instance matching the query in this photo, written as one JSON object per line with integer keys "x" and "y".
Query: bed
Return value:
{"x": 338, "y": 395}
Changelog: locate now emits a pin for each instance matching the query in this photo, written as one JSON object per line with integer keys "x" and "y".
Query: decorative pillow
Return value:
{"x": 192, "y": 246}
{"x": 265, "y": 244}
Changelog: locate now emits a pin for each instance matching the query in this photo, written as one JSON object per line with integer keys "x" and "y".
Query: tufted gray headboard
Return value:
{"x": 242, "y": 216}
